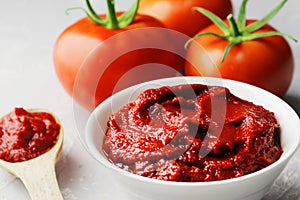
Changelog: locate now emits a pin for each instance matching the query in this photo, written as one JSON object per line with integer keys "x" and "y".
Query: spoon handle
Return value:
{"x": 40, "y": 179}
{"x": 38, "y": 174}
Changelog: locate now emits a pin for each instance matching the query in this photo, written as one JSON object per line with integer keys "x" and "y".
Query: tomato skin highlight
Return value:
{"x": 75, "y": 45}
{"x": 267, "y": 62}
{"x": 179, "y": 15}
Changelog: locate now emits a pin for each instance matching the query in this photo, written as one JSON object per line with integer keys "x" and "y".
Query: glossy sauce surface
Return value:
{"x": 192, "y": 133}
{"x": 25, "y": 135}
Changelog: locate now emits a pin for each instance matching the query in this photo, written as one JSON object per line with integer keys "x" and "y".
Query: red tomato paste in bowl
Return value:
{"x": 25, "y": 135}
{"x": 192, "y": 133}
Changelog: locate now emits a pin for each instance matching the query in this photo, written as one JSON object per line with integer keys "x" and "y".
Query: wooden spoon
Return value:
{"x": 38, "y": 174}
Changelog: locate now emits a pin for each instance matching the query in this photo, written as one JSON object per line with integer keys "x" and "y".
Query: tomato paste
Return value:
{"x": 25, "y": 135}
{"x": 192, "y": 133}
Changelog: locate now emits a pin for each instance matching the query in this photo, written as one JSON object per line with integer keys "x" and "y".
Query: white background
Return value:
{"x": 28, "y": 31}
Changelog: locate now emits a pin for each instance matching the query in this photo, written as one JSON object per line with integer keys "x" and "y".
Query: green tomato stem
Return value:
{"x": 241, "y": 19}
{"x": 126, "y": 18}
{"x": 90, "y": 8}
{"x": 113, "y": 21}
{"x": 93, "y": 15}
{"x": 237, "y": 31}
{"x": 215, "y": 19}
{"x": 112, "y": 15}
{"x": 234, "y": 28}
{"x": 260, "y": 23}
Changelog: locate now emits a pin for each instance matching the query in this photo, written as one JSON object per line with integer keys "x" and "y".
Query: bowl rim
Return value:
{"x": 95, "y": 153}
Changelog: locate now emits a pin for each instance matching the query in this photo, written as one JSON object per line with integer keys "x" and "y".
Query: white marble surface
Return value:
{"x": 28, "y": 32}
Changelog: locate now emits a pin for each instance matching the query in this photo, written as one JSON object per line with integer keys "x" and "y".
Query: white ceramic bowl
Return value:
{"x": 248, "y": 187}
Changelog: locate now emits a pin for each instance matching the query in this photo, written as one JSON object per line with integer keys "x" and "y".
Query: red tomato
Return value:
{"x": 266, "y": 62}
{"x": 82, "y": 51}
{"x": 178, "y": 14}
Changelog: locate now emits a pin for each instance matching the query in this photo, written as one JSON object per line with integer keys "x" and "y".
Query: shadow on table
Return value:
{"x": 294, "y": 102}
